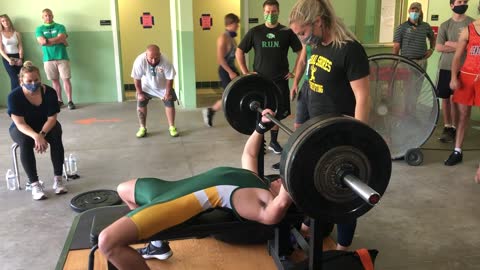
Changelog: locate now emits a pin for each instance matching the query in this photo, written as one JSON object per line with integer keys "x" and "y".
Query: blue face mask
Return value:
{"x": 414, "y": 16}
{"x": 32, "y": 87}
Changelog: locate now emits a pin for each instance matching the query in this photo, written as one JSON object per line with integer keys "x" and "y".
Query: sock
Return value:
{"x": 57, "y": 178}
{"x": 448, "y": 125}
{"x": 453, "y": 127}
{"x": 458, "y": 150}
{"x": 157, "y": 243}
{"x": 274, "y": 135}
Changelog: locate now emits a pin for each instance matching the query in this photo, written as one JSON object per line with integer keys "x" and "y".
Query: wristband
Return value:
{"x": 263, "y": 127}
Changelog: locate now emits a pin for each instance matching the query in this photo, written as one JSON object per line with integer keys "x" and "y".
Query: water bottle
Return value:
{"x": 72, "y": 164}
{"x": 66, "y": 168}
{"x": 11, "y": 179}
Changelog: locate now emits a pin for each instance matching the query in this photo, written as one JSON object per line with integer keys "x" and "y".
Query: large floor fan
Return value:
{"x": 404, "y": 105}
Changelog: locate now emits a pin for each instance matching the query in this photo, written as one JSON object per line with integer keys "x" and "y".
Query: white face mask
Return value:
{"x": 312, "y": 39}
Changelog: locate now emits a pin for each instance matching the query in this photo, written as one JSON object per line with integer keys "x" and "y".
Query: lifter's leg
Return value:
{"x": 114, "y": 243}
{"x": 126, "y": 191}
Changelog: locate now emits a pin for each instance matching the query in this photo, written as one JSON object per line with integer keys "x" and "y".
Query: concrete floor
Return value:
{"x": 428, "y": 218}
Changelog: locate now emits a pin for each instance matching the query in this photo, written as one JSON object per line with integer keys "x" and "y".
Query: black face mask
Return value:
{"x": 460, "y": 9}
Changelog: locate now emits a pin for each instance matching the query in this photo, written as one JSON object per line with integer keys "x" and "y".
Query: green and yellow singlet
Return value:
{"x": 164, "y": 204}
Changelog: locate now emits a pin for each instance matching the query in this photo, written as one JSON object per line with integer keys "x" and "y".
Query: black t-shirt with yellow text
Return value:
{"x": 331, "y": 69}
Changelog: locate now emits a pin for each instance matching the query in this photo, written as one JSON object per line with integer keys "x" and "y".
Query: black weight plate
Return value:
{"x": 306, "y": 147}
{"x": 238, "y": 95}
{"x": 414, "y": 157}
{"x": 93, "y": 199}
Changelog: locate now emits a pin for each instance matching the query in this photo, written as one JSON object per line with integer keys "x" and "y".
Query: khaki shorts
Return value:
{"x": 56, "y": 69}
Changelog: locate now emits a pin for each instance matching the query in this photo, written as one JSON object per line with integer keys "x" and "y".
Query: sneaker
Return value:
{"x": 275, "y": 147}
{"x": 207, "y": 114}
{"x": 448, "y": 135}
{"x": 37, "y": 192}
{"x": 71, "y": 106}
{"x": 454, "y": 158}
{"x": 142, "y": 132}
{"x": 60, "y": 103}
{"x": 276, "y": 166}
{"x": 173, "y": 131}
{"x": 152, "y": 252}
{"x": 59, "y": 186}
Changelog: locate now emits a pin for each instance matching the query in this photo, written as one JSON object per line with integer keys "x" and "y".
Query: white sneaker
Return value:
{"x": 59, "y": 185}
{"x": 37, "y": 192}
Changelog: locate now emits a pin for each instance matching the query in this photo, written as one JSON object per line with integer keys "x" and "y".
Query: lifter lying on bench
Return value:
{"x": 160, "y": 204}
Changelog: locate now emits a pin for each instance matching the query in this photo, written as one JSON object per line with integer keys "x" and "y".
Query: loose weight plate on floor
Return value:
{"x": 404, "y": 107}
{"x": 94, "y": 198}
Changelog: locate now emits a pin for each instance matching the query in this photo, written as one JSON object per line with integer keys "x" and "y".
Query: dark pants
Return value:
{"x": 283, "y": 110}
{"x": 345, "y": 231}
{"x": 12, "y": 71}
{"x": 27, "y": 155}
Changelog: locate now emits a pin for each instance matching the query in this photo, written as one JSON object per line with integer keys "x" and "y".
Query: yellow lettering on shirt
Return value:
{"x": 316, "y": 87}
{"x": 324, "y": 63}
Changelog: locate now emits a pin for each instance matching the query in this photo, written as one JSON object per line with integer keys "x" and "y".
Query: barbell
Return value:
{"x": 334, "y": 167}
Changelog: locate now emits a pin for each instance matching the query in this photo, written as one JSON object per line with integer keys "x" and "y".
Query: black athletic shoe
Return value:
{"x": 454, "y": 158}
{"x": 152, "y": 252}
{"x": 448, "y": 135}
{"x": 207, "y": 114}
{"x": 276, "y": 166}
{"x": 71, "y": 106}
{"x": 275, "y": 147}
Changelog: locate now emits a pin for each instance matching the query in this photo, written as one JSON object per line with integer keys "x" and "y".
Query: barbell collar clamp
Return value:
{"x": 364, "y": 191}
{"x": 255, "y": 106}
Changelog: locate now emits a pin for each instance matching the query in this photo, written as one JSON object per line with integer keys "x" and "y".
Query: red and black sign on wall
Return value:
{"x": 147, "y": 20}
{"x": 206, "y": 22}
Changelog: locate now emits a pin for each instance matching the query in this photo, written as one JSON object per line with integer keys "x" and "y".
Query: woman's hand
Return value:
{"x": 41, "y": 145}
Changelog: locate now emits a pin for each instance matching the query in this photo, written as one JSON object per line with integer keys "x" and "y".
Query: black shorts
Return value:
{"x": 283, "y": 110}
{"x": 443, "y": 84}
{"x": 224, "y": 77}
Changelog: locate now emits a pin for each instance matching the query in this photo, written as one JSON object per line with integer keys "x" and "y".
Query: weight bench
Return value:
{"x": 209, "y": 223}
{"x": 88, "y": 225}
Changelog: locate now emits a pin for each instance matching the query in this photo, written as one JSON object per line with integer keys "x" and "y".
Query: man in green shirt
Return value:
{"x": 52, "y": 37}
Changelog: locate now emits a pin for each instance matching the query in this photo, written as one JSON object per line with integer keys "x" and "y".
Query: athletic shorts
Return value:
{"x": 168, "y": 103}
{"x": 443, "y": 84}
{"x": 153, "y": 217}
{"x": 301, "y": 115}
{"x": 469, "y": 91}
{"x": 224, "y": 77}
{"x": 56, "y": 69}
{"x": 283, "y": 110}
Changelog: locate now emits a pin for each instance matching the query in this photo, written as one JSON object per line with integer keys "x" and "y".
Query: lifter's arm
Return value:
{"x": 254, "y": 142}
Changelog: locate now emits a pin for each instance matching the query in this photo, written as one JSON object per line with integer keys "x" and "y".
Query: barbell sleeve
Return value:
{"x": 255, "y": 106}
{"x": 361, "y": 189}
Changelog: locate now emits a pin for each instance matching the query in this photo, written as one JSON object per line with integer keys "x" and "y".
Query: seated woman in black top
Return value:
{"x": 33, "y": 108}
